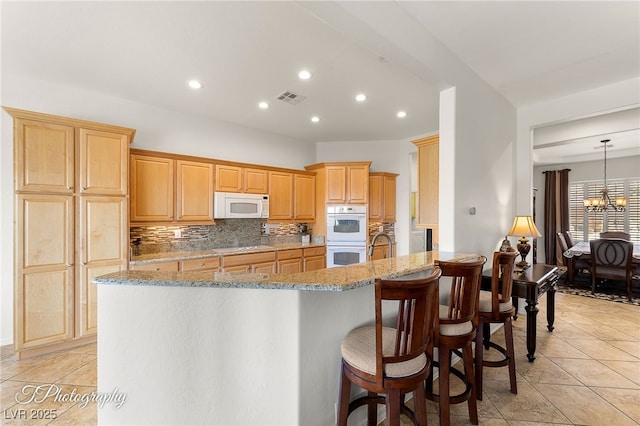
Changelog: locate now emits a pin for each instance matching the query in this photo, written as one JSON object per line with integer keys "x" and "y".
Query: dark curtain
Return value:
{"x": 556, "y": 212}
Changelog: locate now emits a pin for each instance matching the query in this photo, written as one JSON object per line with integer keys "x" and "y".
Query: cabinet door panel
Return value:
{"x": 265, "y": 268}
{"x": 376, "y": 197}
{"x": 389, "y": 199}
{"x": 280, "y": 195}
{"x": 87, "y": 297}
{"x": 314, "y": 263}
{"x": 194, "y": 191}
{"x": 44, "y": 157}
{"x": 228, "y": 178}
{"x": 151, "y": 189}
{"x": 104, "y": 160}
{"x": 44, "y": 269}
{"x": 357, "y": 184}
{"x": 336, "y": 184}
{"x": 256, "y": 181}
{"x": 290, "y": 266}
{"x": 103, "y": 229}
{"x": 304, "y": 196}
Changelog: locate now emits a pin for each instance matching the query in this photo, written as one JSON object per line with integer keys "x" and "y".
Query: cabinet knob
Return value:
{"x": 69, "y": 265}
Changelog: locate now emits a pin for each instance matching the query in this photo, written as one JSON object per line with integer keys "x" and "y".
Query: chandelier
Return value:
{"x": 604, "y": 202}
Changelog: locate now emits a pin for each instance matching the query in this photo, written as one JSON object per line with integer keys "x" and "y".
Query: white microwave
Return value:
{"x": 233, "y": 205}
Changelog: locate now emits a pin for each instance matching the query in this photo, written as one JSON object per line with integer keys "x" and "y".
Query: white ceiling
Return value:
{"x": 246, "y": 52}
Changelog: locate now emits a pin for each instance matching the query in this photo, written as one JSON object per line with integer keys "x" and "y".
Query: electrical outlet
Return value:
{"x": 381, "y": 228}
{"x": 177, "y": 233}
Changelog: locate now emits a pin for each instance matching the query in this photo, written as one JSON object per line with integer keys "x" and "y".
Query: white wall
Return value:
{"x": 156, "y": 129}
{"x": 601, "y": 100}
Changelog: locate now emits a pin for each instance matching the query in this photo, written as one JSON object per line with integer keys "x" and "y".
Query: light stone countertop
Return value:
{"x": 218, "y": 252}
{"x": 332, "y": 279}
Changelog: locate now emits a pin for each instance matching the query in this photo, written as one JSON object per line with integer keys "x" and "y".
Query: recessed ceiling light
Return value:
{"x": 195, "y": 84}
{"x": 315, "y": 119}
{"x": 304, "y": 75}
{"x": 361, "y": 97}
{"x": 263, "y": 105}
{"x": 401, "y": 114}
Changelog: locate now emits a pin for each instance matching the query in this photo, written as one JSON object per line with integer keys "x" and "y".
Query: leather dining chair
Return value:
{"x": 616, "y": 234}
{"x": 569, "y": 239}
{"x": 455, "y": 333}
{"x": 611, "y": 259}
{"x": 495, "y": 307}
{"x": 391, "y": 362}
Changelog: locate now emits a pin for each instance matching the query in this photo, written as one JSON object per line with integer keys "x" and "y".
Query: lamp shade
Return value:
{"x": 523, "y": 226}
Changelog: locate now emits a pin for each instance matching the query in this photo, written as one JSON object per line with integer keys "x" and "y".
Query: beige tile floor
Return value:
{"x": 587, "y": 372}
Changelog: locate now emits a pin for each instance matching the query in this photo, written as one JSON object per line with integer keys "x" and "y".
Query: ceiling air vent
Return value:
{"x": 290, "y": 97}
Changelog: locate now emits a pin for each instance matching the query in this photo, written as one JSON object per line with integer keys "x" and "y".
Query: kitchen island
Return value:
{"x": 229, "y": 348}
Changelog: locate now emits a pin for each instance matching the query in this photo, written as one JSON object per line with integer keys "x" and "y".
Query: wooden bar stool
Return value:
{"x": 496, "y": 307}
{"x": 455, "y": 333}
{"x": 392, "y": 361}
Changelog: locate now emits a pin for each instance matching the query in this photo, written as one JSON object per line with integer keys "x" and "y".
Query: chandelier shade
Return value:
{"x": 605, "y": 202}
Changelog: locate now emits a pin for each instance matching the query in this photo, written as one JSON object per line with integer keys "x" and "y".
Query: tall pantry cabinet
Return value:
{"x": 71, "y": 224}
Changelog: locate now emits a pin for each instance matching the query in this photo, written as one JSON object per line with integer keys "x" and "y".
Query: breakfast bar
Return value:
{"x": 234, "y": 348}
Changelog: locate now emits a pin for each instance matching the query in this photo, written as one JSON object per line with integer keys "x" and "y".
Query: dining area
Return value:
{"x": 611, "y": 259}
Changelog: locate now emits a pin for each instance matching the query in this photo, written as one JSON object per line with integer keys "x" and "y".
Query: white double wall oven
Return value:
{"x": 347, "y": 235}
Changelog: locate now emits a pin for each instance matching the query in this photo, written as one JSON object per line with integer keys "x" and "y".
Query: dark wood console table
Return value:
{"x": 530, "y": 284}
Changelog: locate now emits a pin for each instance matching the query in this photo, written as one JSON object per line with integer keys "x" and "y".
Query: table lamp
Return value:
{"x": 523, "y": 227}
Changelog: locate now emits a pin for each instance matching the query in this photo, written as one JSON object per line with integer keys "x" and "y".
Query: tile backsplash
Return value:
{"x": 225, "y": 233}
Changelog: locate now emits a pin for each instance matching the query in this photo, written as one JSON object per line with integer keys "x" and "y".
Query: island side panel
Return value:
{"x": 326, "y": 318}
{"x": 199, "y": 355}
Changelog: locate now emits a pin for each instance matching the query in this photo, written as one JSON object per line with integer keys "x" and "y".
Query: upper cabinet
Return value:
{"x": 194, "y": 191}
{"x": 101, "y": 169}
{"x": 151, "y": 188}
{"x": 292, "y": 196}
{"x": 382, "y": 197}
{"x": 165, "y": 189}
{"x": 428, "y": 183}
{"x": 230, "y": 178}
{"x": 342, "y": 183}
{"x": 304, "y": 197}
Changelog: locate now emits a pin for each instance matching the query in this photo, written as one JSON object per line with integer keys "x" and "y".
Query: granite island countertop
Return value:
{"x": 331, "y": 279}
{"x": 217, "y": 252}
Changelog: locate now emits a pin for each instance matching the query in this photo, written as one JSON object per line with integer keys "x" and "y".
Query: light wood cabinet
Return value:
{"x": 381, "y": 251}
{"x": 71, "y": 224}
{"x": 314, "y": 258}
{"x": 168, "y": 266}
{"x": 264, "y": 262}
{"x": 428, "y": 183}
{"x": 280, "y": 195}
{"x": 231, "y": 178}
{"x": 101, "y": 168}
{"x": 289, "y": 261}
{"x": 103, "y": 249}
{"x": 205, "y": 264}
{"x": 151, "y": 188}
{"x": 292, "y": 196}
{"x": 342, "y": 182}
{"x": 194, "y": 191}
{"x": 170, "y": 189}
{"x": 304, "y": 197}
{"x": 382, "y": 197}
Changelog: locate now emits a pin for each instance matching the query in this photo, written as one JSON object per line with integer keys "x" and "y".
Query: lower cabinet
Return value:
{"x": 172, "y": 266}
{"x": 264, "y": 262}
{"x": 205, "y": 264}
{"x": 314, "y": 258}
{"x": 289, "y": 261}
{"x": 381, "y": 251}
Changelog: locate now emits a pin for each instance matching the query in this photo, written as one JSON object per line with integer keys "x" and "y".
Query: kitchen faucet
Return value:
{"x": 373, "y": 242}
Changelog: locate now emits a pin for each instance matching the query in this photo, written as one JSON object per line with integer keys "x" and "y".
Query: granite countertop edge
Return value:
{"x": 332, "y": 279}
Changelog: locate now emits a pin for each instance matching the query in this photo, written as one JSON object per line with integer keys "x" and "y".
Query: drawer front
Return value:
{"x": 289, "y": 254}
{"x": 200, "y": 264}
{"x": 248, "y": 259}
{"x": 314, "y": 251}
{"x": 157, "y": 266}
